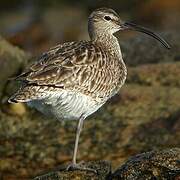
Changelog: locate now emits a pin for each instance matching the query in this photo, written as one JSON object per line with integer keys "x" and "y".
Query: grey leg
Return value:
{"x": 74, "y": 165}
{"x": 79, "y": 128}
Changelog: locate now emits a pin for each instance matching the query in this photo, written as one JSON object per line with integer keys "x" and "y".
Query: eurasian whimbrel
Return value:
{"x": 74, "y": 79}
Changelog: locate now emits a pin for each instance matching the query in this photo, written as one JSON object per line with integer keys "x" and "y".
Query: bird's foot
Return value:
{"x": 80, "y": 166}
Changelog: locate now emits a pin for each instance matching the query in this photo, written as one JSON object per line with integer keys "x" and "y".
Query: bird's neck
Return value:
{"x": 109, "y": 42}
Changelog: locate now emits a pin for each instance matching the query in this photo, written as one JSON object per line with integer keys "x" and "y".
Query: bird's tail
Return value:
{"x": 25, "y": 94}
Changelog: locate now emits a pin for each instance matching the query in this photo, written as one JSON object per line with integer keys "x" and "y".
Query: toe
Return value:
{"x": 73, "y": 167}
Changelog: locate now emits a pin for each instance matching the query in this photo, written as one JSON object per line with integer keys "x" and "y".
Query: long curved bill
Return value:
{"x": 132, "y": 26}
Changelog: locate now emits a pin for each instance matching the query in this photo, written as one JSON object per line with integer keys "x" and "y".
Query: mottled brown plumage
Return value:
{"x": 74, "y": 79}
{"x": 87, "y": 67}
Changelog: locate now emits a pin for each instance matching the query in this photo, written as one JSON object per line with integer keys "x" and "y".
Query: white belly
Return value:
{"x": 66, "y": 105}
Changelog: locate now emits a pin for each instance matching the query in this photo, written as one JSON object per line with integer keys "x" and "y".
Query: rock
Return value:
{"x": 103, "y": 168}
{"x": 164, "y": 165}
{"x": 12, "y": 60}
{"x": 17, "y": 109}
{"x": 143, "y": 75}
{"x": 135, "y": 49}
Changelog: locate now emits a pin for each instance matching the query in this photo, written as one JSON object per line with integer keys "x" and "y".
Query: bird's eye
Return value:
{"x": 107, "y": 18}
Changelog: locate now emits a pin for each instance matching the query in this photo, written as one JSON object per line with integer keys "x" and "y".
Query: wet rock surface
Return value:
{"x": 144, "y": 116}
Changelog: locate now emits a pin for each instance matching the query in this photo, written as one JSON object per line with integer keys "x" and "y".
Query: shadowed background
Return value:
{"x": 144, "y": 116}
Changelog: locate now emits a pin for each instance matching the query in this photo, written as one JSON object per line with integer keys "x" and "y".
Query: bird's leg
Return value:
{"x": 74, "y": 165}
{"x": 78, "y": 132}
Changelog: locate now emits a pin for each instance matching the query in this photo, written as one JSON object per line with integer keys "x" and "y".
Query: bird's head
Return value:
{"x": 105, "y": 21}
